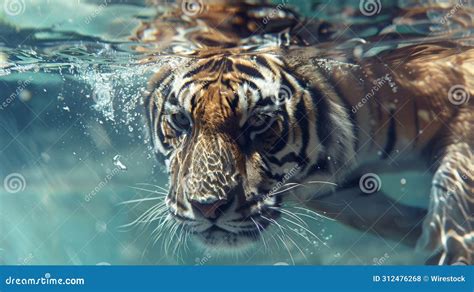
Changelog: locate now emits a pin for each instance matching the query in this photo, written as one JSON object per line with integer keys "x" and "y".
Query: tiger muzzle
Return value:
{"x": 212, "y": 180}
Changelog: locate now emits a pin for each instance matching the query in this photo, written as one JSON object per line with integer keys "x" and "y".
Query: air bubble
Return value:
{"x": 119, "y": 163}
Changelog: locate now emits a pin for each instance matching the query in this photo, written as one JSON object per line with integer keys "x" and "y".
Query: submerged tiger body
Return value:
{"x": 244, "y": 113}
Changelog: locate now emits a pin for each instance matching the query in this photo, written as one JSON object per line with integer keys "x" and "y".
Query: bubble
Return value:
{"x": 119, "y": 163}
{"x": 370, "y": 7}
{"x": 25, "y": 95}
{"x": 458, "y": 95}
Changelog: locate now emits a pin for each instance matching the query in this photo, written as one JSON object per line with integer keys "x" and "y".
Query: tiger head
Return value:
{"x": 236, "y": 131}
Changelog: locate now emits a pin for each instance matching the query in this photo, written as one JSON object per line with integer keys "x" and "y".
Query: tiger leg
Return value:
{"x": 449, "y": 225}
{"x": 375, "y": 213}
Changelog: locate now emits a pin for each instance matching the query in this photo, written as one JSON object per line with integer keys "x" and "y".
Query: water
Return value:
{"x": 73, "y": 145}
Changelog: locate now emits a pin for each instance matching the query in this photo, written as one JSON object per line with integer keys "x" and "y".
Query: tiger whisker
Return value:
{"x": 271, "y": 194}
{"x": 299, "y": 234}
{"x": 282, "y": 228}
{"x": 321, "y": 182}
{"x": 292, "y": 185}
{"x": 188, "y": 232}
{"x": 152, "y": 212}
{"x": 315, "y": 213}
{"x": 307, "y": 230}
{"x": 317, "y": 219}
{"x": 161, "y": 230}
{"x": 165, "y": 221}
{"x": 287, "y": 249}
{"x": 177, "y": 247}
{"x": 152, "y": 185}
{"x": 274, "y": 222}
{"x": 147, "y": 190}
{"x": 146, "y": 217}
{"x": 296, "y": 245}
{"x": 170, "y": 231}
{"x": 260, "y": 232}
{"x": 289, "y": 213}
{"x": 140, "y": 200}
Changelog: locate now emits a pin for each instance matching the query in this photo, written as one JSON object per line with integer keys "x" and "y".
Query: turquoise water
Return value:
{"x": 71, "y": 132}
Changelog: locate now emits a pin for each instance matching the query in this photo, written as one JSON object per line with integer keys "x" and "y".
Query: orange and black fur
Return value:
{"x": 245, "y": 110}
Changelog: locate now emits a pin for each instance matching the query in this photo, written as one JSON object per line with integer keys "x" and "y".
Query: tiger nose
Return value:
{"x": 210, "y": 209}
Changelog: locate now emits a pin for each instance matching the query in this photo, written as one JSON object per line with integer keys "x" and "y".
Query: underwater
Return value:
{"x": 115, "y": 118}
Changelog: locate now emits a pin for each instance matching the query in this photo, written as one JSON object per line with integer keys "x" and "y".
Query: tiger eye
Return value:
{"x": 180, "y": 121}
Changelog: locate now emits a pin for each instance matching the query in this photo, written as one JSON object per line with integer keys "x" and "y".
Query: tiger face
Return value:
{"x": 235, "y": 133}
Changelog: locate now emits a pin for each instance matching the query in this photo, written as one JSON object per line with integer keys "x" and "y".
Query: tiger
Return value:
{"x": 245, "y": 109}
